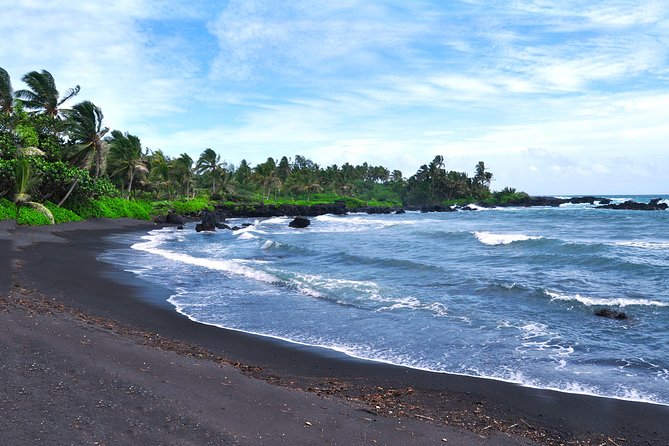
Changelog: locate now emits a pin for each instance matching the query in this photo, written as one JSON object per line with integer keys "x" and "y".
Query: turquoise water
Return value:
{"x": 506, "y": 293}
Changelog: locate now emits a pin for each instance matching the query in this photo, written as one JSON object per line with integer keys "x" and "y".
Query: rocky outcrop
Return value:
{"x": 299, "y": 222}
{"x": 209, "y": 221}
{"x": 611, "y": 314}
{"x": 264, "y": 211}
{"x": 629, "y": 205}
{"x": 437, "y": 208}
{"x": 173, "y": 218}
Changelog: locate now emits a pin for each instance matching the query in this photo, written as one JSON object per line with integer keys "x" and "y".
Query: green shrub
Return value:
{"x": 108, "y": 207}
{"x": 61, "y": 215}
{"x": 191, "y": 206}
{"x": 7, "y": 209}
{"x": 28, "y": 216}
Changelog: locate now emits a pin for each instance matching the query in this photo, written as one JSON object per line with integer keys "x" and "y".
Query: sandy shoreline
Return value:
{"x": 206, "y": 377}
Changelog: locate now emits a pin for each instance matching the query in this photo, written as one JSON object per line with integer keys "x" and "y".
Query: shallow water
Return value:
{"x": 502, "y": 293}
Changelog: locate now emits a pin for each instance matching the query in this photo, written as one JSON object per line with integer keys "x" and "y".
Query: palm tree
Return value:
{"x": 25, "y": 181}
{"x": 159, "y": 172}
{"x": 6, "y": 93}
{"x": 266, "y": 177}
{"x": 43, "y": 95}
{"x": 210, "y": 162}
{"x": 86, "y": 133}
{"x": 182, "y": 172}
{"x": 126, "y": 157}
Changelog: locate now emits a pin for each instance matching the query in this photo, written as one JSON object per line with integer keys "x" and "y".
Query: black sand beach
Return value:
{"x": 93, "y": 355}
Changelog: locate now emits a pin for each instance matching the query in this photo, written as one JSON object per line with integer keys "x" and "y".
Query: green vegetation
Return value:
{"x": 69, "y": 160}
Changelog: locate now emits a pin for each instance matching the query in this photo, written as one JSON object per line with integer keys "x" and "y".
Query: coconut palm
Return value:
{"x": 43, "y": 95}
{"x": 6, "y": 92}
{"x": 159, "y": 172}
{"x": 182, "y": 173}
{"x": 126, "y": 157}
{"x": 265, "y": 175}
{"x": 210, "y": 162}
{"x": 86, "y": 133}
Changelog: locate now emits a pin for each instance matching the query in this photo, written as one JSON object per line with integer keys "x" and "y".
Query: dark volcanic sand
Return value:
{"x": 93, "y": 354}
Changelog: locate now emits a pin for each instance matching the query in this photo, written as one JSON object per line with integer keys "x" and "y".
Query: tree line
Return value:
{"x": 51, "y": 152}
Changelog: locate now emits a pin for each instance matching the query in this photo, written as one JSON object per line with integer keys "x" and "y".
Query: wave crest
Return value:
{"x": 492, "y": 239}
{"x": 593, "y": 301}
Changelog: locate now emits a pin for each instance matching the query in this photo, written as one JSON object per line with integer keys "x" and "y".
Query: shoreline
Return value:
{"x": 60, "y": 262}
{"x": 326, "y": 351}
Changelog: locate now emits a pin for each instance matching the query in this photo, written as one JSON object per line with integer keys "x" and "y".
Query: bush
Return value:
{"x": 61, "y": 215}
{"x": 108, "y": 207}
{"x": 28, "y": 216}
{"x": 193, "y": 206}
{"x": 7, "y": 209}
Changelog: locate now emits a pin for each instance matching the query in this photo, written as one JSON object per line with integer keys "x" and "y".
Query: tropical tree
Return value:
{"x": 209, "y": 162}
{"x": 86, "y": 136}
{"x": 159, "y": 171}
{"x": 182, "y": 173}
{"x": 42, "y": 95}
{"x": 126, "y": 157}
{"x": 482, "y": 176}
{"x": 25, "y": 181}
{"x": 265, "y": 175}
{"x": 6, "y": 93}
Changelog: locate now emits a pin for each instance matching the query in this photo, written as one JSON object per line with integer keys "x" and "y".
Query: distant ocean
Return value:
{"x": 507, "y": 293}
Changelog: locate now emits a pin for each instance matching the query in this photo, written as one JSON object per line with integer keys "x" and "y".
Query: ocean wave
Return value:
{"x": 644, "y": 245}
{"x": 490, "y": 238}
{"x": 270, "y": 244}
{"x": 361, "y": 222}
{"x": 436, "y": 308}
{"x": 593, "y": 301}
{"x": 228, "y": 266}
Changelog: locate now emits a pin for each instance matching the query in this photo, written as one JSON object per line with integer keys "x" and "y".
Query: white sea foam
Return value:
{"x": 644, "y": 244}
{"x": 476, "y": 208}
{"x": 274, "y": 221}
{"x": 230, "y": 266}
{"x": 489, "y": 238}
{"x": 615, "y": 301}
{"x": 357, "y": 223}
{"x": 270, "y": 244}
{"x": 246, "y": 236}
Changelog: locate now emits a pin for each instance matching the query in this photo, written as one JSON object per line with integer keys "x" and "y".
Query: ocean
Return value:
{"x": 504, "y": 293}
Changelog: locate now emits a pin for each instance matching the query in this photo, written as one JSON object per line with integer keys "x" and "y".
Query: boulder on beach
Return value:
{"x": 208, "y": 222}
{"x": 299, "y": 222}
{"x": 173, "y": 218}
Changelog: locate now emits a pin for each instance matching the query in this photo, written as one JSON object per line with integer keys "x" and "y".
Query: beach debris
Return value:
{"x": 611, "y": 314}
{"x": 424, "y": 417}
{"x": 299, "y": 222}
{"x": 307, "y": 423}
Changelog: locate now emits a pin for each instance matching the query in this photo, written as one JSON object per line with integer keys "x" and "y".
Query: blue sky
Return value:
{"x": 556, "y": 96}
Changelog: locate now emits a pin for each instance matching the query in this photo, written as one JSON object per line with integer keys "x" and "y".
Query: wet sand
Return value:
{"x": 94, "y": 354}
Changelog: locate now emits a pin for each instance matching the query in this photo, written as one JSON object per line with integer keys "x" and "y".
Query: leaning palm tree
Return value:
{"x": 126, "y": 157}
{"x": 210, "y": 162}
{"x": 25, "y": 181}
{"x": 6, "y": 92}
{"x": 86, "y": 133}
{"x": 42, "y": 95}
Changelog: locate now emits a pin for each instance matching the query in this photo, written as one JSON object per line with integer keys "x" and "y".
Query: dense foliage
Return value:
{"x": 68, "y": 159}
